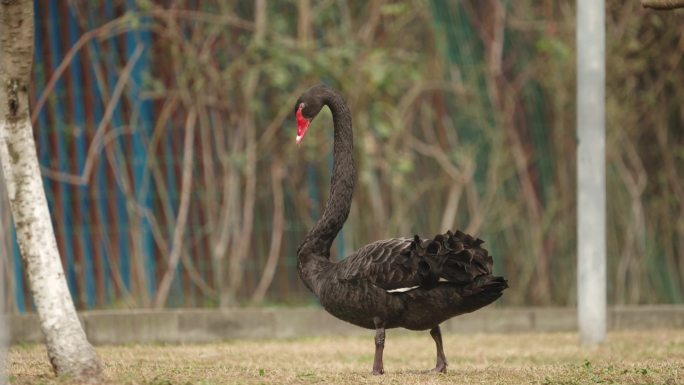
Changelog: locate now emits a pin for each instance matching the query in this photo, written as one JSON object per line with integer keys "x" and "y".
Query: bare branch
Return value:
{"x": 179, "y": 229}
{"x": 662, "y": 4}
{"x": 241, "y": 250}
{"x": 105, "y": 30}
{"x": 304, "y": 22}
{"x": 98, "y": 141}
{"x": 227, "y": 19}
{"x": 438, "y": 154}
{"x": 277, "y": 175}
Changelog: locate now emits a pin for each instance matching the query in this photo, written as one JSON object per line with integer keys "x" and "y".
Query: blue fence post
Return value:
{"x": 101, "y": 183}
{"x": 18, "y": 274}
{"x": 121, "y": 217}
{"x": 79, "y": 121}
{"x": 142, "y": 127}
{"x": 59, "y": 125}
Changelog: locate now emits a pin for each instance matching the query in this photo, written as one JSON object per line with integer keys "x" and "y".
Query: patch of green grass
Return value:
{"x": 639, "y": 357}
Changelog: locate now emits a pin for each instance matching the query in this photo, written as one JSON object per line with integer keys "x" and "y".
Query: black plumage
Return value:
{"x": 401, "y": 282}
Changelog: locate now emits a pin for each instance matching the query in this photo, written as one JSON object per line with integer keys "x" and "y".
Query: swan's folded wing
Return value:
{"x": 402, "y": 264}
{"x": 387, "y": 264}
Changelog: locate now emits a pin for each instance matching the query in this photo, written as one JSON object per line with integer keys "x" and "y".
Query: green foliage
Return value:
{"x": 469, "y": 105}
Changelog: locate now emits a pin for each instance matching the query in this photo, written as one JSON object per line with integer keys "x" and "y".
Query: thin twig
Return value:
{"x": 662, "y": 4}
{"x": 99, "y": 32}
{"x": 277, "y": 175}
{"x": 449, "y": 216}
{"x": 241, "y": 250}
{"x": 183, "y": 208}
{"x": 162, "y": 192}
{"x": 97, "y": 143}
{"x": 223, "y": 18}
{"x": 437, "y": 154}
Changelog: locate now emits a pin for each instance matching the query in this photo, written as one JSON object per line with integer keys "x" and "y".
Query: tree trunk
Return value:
{"x": 68, "y": 349}
{"x": 6, "y": 292}
{"x": 4, "y": 262}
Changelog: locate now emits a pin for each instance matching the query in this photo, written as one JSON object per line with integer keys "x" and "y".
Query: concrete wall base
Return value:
{"x": 113, "y": 327}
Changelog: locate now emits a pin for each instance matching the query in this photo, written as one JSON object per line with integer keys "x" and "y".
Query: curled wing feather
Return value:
{"x": 403, "y": 263}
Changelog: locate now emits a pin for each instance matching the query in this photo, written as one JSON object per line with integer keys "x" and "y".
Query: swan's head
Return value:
{"x": 307, "y": 107}
{"x": 302, "y": 122}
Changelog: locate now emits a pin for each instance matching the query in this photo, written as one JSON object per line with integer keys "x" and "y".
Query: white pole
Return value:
{"x": 591, "y": 172}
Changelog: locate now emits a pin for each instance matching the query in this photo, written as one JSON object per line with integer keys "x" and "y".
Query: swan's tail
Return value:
{"x": 457, "y": 259}
{"x": 483, "y": 291}
{"x": 454, "y": 257}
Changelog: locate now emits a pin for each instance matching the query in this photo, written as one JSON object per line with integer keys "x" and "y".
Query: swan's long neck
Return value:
{"x": 315, "y": 249}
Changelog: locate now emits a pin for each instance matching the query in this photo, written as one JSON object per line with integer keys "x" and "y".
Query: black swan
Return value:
{"x": 401, "y": 282}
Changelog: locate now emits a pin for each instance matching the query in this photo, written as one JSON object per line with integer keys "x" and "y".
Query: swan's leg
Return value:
{"x": 379, "y": 347}
{"x": 441, "y": 366}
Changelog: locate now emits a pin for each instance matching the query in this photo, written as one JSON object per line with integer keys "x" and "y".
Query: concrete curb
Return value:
{"x": 113, "y": 327}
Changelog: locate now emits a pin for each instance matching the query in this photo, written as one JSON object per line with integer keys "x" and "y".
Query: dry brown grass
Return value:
{"x": 643, "y": 357}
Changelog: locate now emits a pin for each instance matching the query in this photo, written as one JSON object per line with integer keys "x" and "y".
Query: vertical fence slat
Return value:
{"x": 142, "y": 127}
{"x": 100, "y": 189}
{"x": 58, "y": 126}
{"x": 19, "y": 284}
{"x": 83, "y": 204}
{"x": 117, "y": 205}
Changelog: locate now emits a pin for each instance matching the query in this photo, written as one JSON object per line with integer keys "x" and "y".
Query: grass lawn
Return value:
{"x": 635, "y": 357}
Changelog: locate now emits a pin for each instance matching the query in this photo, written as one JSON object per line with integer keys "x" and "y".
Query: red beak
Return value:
{"x": 302, "y": 124}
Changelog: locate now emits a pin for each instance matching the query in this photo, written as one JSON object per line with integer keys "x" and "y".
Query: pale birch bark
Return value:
{"x": 6, "y": 255}
{"x": 68, "y": 349}
{"x": 6, "y": 290}
{"x": 4, "y": 333}
{"x": 4, "y": 263}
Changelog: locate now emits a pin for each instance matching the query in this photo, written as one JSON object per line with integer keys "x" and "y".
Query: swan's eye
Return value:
{"x": 302, "y": 123}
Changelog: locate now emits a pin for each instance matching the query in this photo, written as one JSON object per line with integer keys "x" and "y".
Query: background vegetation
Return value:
{"x": 187, "y": 188}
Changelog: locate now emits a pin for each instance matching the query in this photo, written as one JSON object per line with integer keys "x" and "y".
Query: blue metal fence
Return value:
{"x": 66, "y": 126}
